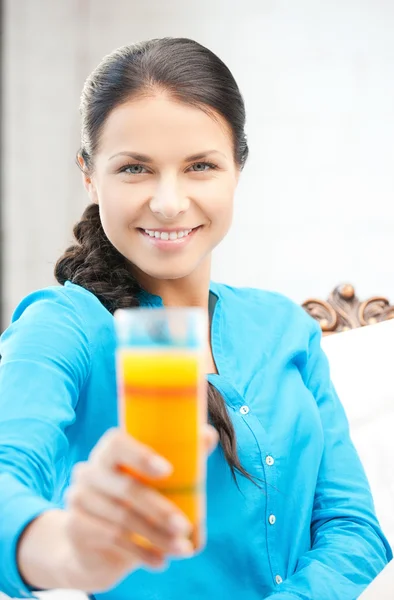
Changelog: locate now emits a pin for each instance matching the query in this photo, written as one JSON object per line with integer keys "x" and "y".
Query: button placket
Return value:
{"x": 272, "y": 520}
{"x": 268, "y": 472}
{"x": 269, "y": 478}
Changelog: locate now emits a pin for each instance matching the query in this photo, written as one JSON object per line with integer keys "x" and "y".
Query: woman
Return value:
{"x": 290, "y": 513}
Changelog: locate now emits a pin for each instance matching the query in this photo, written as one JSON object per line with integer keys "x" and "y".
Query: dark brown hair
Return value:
{"x": 189, "y": 73}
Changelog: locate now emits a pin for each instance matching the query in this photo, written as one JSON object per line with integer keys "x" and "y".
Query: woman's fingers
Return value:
{"x": 211, "y": 438}
{"x": 117, "y": 449}
{"x": 101, "y": 535}
{"x": 128, "y": 521}
{"x": 119, "y": 512}
{"x": 145, "y": 501}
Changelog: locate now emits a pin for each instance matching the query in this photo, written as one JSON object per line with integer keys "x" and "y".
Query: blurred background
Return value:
{"x": 315, "y": 205}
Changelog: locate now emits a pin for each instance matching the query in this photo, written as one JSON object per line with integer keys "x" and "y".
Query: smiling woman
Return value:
{"x": 177, "y": 174}
{"x": 290, "y": 514}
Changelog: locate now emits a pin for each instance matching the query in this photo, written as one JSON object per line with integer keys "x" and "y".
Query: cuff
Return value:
{"x": 18, "y": 507}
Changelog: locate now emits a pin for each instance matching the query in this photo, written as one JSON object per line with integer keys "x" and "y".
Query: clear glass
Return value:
{"x": 163, "y": 398}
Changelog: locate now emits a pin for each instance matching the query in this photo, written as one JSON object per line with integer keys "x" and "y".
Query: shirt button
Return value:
{"x": 269, "y": 461}
{"x": 244, "y": 410}
{"x": 278, "y": 579}
{"x": 272, "y": 519}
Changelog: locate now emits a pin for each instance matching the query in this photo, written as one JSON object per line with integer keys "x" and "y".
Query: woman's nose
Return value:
{"x": 169, "y": 202}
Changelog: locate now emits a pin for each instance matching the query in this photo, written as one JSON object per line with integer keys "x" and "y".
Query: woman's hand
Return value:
{"x": 106, "y": 508}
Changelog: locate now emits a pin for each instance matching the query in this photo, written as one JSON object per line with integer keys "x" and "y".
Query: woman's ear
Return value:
{"x": 87, "y": 181}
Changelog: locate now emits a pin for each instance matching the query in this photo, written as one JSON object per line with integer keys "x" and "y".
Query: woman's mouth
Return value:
{"x": 167, "y": 239}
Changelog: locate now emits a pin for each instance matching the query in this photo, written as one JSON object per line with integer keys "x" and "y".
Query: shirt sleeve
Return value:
{"x": 348, "y": 549}
{"x": 45, "y": 360}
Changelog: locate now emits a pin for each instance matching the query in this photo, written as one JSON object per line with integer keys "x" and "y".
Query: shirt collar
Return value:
{"x": 148, "y": 300}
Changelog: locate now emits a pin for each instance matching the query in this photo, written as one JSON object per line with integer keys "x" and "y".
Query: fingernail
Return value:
{"x": 183, "y": 547}
{"x": 179, "y": 524}
{"x": 159, "y": 466}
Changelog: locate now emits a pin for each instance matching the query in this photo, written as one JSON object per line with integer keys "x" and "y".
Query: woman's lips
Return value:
{"x": 169, "y": 239}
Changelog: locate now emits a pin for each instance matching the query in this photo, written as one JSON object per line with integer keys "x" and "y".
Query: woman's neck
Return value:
{"x": 192, "y": 290}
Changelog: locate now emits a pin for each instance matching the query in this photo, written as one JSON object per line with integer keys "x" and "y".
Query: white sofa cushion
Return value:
{"x": 362, "y": 369}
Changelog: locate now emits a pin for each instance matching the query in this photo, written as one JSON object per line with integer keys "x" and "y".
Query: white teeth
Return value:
{"x": 165, "y": 235}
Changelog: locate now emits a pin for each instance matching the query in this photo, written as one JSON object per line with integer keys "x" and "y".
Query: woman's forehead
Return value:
{"x": 161, "y": 124}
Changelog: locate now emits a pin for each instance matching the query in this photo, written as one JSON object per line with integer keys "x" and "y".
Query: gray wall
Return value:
{"x": 316, "y": 202}
{"x": 45, "y": 65}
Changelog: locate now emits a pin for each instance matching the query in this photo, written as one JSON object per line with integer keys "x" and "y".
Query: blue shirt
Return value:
{"x": 308, "y": 531}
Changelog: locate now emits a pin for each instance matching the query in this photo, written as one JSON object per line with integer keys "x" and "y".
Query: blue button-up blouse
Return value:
{"x": 306, "y": 531}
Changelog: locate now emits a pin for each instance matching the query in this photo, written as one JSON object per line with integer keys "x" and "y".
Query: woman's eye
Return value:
{"x": 137, "y": 169}
{"x": 199, "y": 167}
{"x": 133, "y": 169}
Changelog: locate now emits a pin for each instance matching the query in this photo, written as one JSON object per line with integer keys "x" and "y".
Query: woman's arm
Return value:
{"x": 348, "y": 548}
{"x": 44, "y": 555}
{"x": 90, "y": 544}
{"x": 45, "y": 360}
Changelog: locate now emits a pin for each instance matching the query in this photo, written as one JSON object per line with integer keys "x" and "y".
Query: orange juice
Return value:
{"x": 162, "y": 403}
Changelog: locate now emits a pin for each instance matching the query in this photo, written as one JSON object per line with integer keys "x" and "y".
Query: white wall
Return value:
{"x": 316, "y": 202}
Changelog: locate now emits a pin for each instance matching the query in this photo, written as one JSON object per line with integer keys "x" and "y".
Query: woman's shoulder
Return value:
{"x": 263, "y": 304}
{"x": 67, "y": 297}
{"x": 63, "y": 323}
{"x": 69, "y": 311}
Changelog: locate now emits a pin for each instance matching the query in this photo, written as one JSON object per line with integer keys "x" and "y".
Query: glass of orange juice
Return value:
{"x": 163, "y": 400}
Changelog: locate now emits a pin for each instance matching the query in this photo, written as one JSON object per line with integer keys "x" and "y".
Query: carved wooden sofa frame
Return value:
{"x": 343, "y": 310}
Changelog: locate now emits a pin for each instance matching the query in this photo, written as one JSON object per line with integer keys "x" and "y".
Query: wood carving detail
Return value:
{"x": 343, "y": 310}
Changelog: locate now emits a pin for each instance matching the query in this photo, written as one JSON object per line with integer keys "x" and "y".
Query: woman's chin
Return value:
{"x": 170, "y": 270}
{"x": 167, "y": 275}
{"x": 164, "y": 273}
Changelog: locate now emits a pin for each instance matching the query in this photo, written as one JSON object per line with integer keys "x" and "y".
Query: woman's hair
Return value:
{"x": 188, "y": 73}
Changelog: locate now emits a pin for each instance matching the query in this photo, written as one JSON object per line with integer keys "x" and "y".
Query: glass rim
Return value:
{"x": 155, "y": 312}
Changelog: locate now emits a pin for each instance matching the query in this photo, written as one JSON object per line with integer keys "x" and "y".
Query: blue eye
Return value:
{"x": 200, "y": 167}
{"x": 133, "y": 169}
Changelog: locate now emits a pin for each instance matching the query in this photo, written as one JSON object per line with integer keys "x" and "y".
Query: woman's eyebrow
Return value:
{"x": 133, "y": 155}
{"x": 144, "y": 158}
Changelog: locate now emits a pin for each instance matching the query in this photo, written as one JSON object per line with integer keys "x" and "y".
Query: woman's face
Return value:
{"x": 164, "y": 178}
